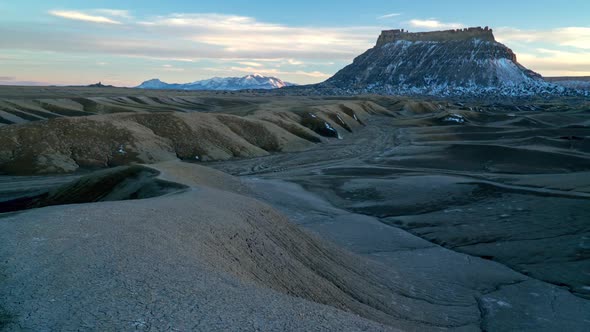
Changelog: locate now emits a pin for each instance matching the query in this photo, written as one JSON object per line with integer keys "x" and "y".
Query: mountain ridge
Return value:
{"x": 248, "y": 82}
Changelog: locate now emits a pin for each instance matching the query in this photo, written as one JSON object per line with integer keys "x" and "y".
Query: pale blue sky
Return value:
{"x": 125, "y": 42}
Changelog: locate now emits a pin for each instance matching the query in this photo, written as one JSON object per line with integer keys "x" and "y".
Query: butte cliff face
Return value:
{"x": 453, "y": 62}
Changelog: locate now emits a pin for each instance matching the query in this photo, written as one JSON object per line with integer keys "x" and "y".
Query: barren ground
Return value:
{"x": 416, "y": 215}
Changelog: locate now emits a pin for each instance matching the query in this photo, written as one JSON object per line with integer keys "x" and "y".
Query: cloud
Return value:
{"x": 294, "y": 62}
{"x": 158, "y": 58}
{"x": 315, "y": 74}
{"x": 250, "y": 64}
{"x": 576, "y": 37}
{"x": 240, "y": 35}
{"x": 549, "y": 62}
{"x": 241, "y": 43}
{"x": 13, "y": 81}
{"x": 277, "y": 72}
{"x": 433, "y": 24}
{"x": 169, "y": 67}
{"x": 114, "y": 12}
{"x": 191, "y": 37}
{"x": 561, "y": 51}
{"x": 80, "y": 16}
{"x": 7, "y": 78}
{"x": 382, "y": 17}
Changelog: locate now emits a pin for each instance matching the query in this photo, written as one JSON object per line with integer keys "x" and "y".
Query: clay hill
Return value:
{"x": 454, "y": 62}
{"x": 61, "y": 135}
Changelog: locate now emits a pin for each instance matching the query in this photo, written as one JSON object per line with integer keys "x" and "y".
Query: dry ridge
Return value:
{"x": 66, "y": 144}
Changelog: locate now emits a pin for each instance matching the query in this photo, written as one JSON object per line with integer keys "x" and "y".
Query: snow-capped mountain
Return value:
{"x": 248, "y": 82}
{"x": 155, "y": 84}
{"x": 444, "y": 63}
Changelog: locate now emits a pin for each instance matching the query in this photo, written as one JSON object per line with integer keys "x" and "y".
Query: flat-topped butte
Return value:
{"x": 388, "y": 36}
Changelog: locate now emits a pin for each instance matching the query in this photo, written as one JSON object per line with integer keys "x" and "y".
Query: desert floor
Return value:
{"x": 409, "y": 214}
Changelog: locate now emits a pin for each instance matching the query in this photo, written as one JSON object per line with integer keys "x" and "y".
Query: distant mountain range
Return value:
{"x": 248, "y": 82}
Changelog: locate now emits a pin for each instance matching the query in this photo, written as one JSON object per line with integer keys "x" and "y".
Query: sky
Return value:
{"x": 125, "y": 42}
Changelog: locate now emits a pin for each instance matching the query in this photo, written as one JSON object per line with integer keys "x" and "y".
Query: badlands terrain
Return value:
{"x": 128, "y": 209}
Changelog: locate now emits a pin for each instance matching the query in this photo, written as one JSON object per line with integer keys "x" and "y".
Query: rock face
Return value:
{"x": 247, "y": 82}
{"x": 388, "y": 36}
{"x": 454, "y": 62}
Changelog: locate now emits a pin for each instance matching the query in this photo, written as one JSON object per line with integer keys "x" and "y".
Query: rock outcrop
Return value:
{"x": 388, "y": 36}
{"x": 453, "y": 62}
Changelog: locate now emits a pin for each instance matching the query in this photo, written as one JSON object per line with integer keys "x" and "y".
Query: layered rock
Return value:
{"x": 388, "y": 36}
{"x": 453, "y": 62}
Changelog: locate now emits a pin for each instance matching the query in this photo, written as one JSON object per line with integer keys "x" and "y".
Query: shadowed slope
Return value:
{"x": 120, "y": 183}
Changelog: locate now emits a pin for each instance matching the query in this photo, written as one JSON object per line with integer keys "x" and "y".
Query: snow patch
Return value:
{"x": 330, "y": 128}
{"x": 457, "y": 118}
{"x": 497, "y": 302}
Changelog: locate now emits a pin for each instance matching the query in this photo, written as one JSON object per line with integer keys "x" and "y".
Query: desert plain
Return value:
{"x": 127, "y": 209}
